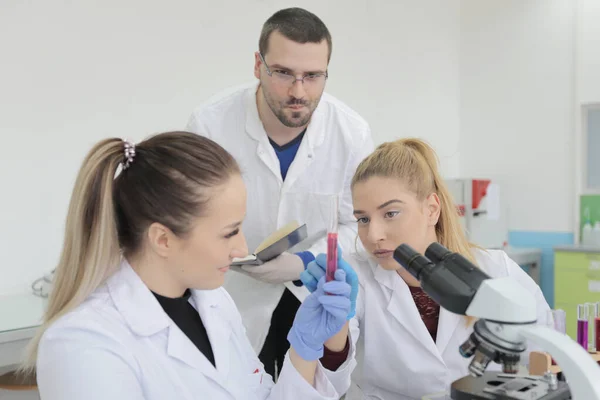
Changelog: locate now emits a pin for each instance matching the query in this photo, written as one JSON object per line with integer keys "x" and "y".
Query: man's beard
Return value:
{"x": 296, "y": 119}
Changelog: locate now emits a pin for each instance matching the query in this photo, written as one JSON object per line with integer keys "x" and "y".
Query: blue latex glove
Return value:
{"x": 321, "y": 315}
{"x": 316, "y": 270}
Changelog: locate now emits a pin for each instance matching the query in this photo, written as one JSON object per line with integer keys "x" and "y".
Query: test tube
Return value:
{"x": 332, "y": 240}
{"x": 597, "y": 326}
{"x": 582, "y": 325}
{"x": 559, "y": 320}
{"x": 592, "y": 315}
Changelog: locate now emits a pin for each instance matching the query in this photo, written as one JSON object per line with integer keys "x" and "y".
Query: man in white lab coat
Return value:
{"x": 297, "y": 146}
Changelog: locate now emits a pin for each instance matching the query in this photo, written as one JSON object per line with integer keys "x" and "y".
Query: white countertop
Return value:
{"x": 20, "y": 312}
{"x": 522, "y": 255}
{"x": 579, "y": 248}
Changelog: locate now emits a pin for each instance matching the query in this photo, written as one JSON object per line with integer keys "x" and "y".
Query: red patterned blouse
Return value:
{"x": 429, "y": 309}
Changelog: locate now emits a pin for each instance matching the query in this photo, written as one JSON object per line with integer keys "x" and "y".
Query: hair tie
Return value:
{"x": 129, "y": 150}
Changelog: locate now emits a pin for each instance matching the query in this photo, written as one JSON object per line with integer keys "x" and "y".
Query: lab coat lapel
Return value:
{"x": 448, "y": 324}
{"x": 313, "y": 138}
{"x": 256, "y": 130}
{"x": 218, "y": 329}
{"x": 179, "y": 346}
{"x": 302, "y": 160}
{"x": 144, "y": 315}
{"x": 402, "y": 308}
{"x": 136, "y": 303}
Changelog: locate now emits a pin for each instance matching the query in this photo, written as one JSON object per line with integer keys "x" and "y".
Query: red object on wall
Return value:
{"x": 479, "y": 191}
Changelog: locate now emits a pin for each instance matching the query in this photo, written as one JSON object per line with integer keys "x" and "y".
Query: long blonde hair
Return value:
{"x": 165, "y": 182}
{"x": 415, "y": 163}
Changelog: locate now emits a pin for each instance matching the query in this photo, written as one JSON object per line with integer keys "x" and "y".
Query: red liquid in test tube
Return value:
{"x": 597, "y": 326}
{"x": 332, "y": 241}
{"x": 582, "y": 333}
{"x": 597, "y": 323}
{"x": 582, "y": 325}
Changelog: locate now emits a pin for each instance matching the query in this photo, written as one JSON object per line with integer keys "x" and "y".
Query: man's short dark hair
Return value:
{"x": 296, "y": 24}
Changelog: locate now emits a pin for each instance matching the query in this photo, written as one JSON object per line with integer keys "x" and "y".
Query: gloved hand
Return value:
{"x": 285, "y": 268}
{"x": 315, "y": 270}
{"x": 322, "y": 314}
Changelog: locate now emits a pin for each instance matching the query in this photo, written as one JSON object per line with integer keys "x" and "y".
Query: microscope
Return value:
{"x": 506, "y": 319}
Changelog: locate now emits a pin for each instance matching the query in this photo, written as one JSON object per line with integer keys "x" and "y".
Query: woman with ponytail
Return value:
{"x": 138, "y": 311}
{"x": 409, "y": 346}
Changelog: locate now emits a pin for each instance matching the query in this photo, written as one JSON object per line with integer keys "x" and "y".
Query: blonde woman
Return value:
{"x": 138, "y": 311}
{"x": 410, "y": 345}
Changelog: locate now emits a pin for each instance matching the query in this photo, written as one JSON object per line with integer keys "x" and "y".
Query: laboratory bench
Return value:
{"x": 20, "y": 316}
{"x": 576, "y": 280}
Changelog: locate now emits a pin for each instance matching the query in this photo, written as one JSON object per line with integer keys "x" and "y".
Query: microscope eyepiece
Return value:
{"x": 412, "y": 261}
{"x": 450, "y": 280}
{"x": 436, "y": 252}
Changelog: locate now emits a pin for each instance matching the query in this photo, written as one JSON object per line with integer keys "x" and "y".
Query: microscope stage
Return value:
{"x": 499, "y": 386}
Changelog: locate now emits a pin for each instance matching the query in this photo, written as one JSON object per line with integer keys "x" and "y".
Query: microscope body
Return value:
{"x": 506, "y": 317}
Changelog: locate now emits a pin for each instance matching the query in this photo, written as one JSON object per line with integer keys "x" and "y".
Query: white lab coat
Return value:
{"x": 121, "y": 345}
{"x": 335, "y": 142}
{"x": 397, "y": 357}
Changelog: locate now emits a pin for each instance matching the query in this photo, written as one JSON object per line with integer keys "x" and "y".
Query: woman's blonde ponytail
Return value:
{"x": 91, "y": 244}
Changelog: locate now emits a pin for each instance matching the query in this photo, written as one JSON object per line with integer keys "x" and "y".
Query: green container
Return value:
{"x": 589, "y": 209}
{"x": 576, "y": 281}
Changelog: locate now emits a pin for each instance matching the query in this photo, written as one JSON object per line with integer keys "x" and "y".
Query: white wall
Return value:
{"x": 589, "y": 51}
{"x": 587, "y": 84}
{"x": 75, "y": 72}
{"x": 516, "y": 105}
